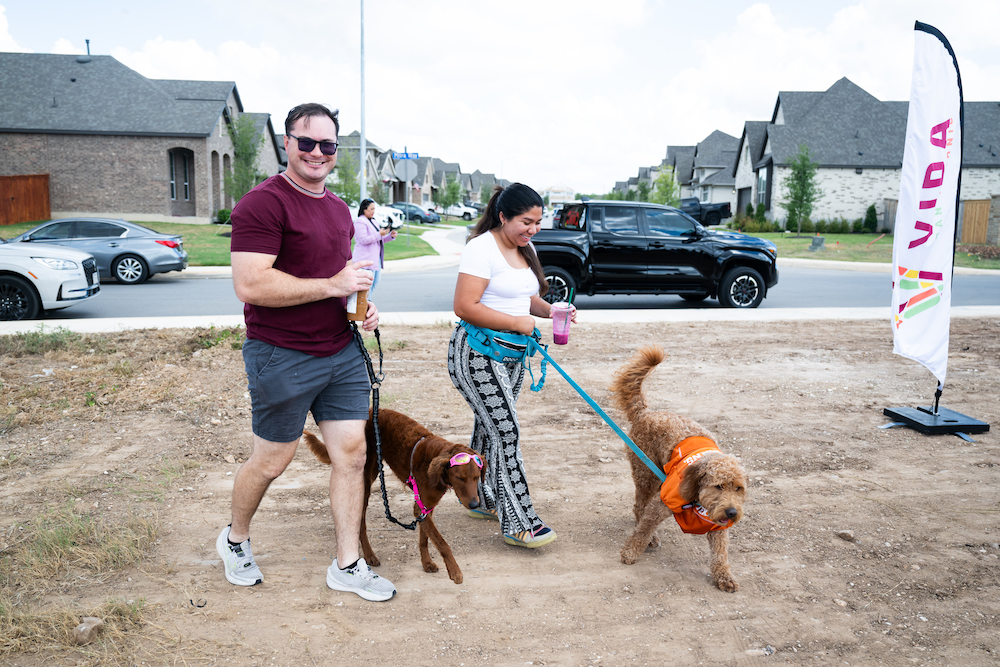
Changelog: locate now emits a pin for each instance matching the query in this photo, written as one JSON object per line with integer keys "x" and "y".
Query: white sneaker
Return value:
{"x": 241, "y": 569}
{"x": 360, "y": 579}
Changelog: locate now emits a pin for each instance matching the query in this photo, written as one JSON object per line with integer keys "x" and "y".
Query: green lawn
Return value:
{"x": 856, "y": 248}
{"x": 206, "y": 246}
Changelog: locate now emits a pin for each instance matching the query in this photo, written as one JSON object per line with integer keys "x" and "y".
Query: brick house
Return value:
{"x": 116, "y": 144}
{"x": 857, "y": 141}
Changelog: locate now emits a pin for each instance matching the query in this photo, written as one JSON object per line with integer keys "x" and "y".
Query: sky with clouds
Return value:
{"x": 549, "y": 92}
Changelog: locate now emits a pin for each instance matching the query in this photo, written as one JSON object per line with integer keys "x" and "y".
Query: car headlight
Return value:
{"x": 57, "y": 264}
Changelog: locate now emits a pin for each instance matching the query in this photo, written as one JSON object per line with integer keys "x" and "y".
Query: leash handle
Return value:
{"x": 376, "y": 380}
{"x": 603, "y": 415}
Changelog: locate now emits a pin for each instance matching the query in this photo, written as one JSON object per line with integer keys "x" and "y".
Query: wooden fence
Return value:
{"x": 975, "y": 220}
{"x": 24, "y": 198}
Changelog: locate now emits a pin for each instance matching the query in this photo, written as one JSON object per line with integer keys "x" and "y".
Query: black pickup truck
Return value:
{"x": 620, "y": 247}
{"x": 706, "y": 214}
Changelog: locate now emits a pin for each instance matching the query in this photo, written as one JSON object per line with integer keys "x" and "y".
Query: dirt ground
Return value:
{"x": 919, "y": 583}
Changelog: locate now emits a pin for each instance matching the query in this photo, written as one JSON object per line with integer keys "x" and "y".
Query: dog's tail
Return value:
{"x": 317, "y": 447}
{"x": 626, "y": 388}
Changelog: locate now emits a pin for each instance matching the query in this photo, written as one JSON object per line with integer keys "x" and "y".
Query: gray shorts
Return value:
{"x": 285, "y": 385}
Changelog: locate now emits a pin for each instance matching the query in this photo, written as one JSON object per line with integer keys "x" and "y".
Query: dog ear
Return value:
{"x": 438, "y": 470}
{"x": 691, "y": 482}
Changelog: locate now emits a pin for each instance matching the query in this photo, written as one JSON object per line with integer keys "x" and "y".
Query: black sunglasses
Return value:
{"x": 306, "y": 145}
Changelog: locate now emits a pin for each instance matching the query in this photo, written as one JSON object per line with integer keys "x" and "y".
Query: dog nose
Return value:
{"x": 731, "y": 513}
{"x": 473, "y": 504}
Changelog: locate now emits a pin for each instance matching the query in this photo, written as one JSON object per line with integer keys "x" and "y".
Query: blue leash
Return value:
{"x": 617, "y": 429}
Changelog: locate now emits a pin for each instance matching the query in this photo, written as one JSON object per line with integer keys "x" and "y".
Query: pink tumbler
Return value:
{"x": 561, "y": 314}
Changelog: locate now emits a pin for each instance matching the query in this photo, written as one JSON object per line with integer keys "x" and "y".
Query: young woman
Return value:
{"x": 369, "y": 240}
{"x": 500, "y": 283}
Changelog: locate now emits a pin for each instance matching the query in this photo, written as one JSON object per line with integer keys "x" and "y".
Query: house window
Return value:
{"x": 173, "y": 177}
{"x": 187, "y": 181}
{"x": 761, "y": 186}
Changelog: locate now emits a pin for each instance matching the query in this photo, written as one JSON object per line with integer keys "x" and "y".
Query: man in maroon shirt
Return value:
{"x": 292, "y": 268}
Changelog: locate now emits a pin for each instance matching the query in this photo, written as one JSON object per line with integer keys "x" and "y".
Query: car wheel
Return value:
{"x": 713, "y": 219}
{"x": 560, "y": 284}
{"x": 694, "y": 298}
{"x": 466, "y": 216}
{"x": 129, "y": 270}
{"x": 18, "y": 300}
{"x": 742, "y": 287}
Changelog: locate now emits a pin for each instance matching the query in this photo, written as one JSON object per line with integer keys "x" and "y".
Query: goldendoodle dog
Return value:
{"x": 705, "y": 488}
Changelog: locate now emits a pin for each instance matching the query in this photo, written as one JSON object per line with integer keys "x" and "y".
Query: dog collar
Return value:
{"x": 412, "y": 483}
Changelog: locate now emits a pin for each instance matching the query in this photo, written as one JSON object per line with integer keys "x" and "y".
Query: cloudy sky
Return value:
{"x": 549, "y": 92}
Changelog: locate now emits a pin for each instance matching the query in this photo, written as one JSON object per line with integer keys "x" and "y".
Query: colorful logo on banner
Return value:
{"x": 922, "y": 291}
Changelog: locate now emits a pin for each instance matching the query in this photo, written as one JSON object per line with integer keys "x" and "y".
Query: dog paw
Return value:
{"x": 727, "y": 584}
{"x": 457, "y": 577}
{"x": 654, "y": 542}
{"x": 628, "y": 557}
{"x": 430, "y": 566}
{"x": 373, "y": 561}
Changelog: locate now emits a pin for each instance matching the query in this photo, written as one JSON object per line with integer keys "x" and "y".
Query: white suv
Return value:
{"x": 462, "y": 211}
{"x": 34, "y": 279}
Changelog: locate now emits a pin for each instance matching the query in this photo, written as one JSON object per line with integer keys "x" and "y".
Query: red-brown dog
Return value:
{"x": 424, "y": 462}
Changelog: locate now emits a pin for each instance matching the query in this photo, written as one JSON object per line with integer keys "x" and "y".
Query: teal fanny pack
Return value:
{"x": 503, "y": 347}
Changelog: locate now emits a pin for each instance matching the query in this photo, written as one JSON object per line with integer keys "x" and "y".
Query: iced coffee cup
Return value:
{"x": 561, "y": 314}
{"x": 357, "y": 304}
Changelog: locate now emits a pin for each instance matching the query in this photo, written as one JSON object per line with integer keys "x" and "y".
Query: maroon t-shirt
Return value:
{"x": 311, "y": 237}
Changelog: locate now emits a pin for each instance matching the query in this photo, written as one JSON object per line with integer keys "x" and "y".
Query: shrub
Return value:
{"x": 748, "y": 211}
{"x": 222, "y": 215}
{"x": 820, "y": 228}
{"x": 843, "y": 227}
{"x": 758, "y": 214}
{"x": 808, "y": 227}
{"x": 858, "y": 226}
{"x": 871, "y": 219}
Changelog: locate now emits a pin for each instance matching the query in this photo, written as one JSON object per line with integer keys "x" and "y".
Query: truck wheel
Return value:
{"x": 713, "y": 218}
{"x": 18, "y": 300}
{"x": 466, "y": 217}
{"x": 742, "y": 287}
{"x": 560, "y": 284}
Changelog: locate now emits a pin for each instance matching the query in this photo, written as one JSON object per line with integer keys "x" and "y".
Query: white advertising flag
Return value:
{"x": 923, "y": 247}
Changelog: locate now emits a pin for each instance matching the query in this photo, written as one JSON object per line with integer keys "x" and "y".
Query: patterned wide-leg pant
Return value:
{"x": 491, "y": 389}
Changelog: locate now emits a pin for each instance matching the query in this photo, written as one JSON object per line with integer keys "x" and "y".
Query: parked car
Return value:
{"x": 36, "y": 279}
{"x": 462, "y": 211}
{"x": 620, "y": 247}
{"x": 706, "y": 214}
{"x": 125, "y": 251}
{"x": 387, "y": 216}
{"x": 418, "y": 213}
{"x": 476, "y": 205}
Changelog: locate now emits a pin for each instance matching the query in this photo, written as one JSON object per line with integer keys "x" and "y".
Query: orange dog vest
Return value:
{"x": 691, "y": 517}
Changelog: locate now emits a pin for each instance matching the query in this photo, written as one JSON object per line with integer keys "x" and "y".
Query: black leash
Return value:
{"x": 376, "y": 380}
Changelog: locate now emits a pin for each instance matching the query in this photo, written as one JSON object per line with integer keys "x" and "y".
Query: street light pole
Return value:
{"x": 363, "y": 152}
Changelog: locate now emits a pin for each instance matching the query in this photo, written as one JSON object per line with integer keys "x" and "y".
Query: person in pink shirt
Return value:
{"x": 369, "y": 240}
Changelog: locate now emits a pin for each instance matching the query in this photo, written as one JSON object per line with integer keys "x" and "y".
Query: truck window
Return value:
{"x": 572, "y": 218}
{"x": 667, "y": 223}
{"x": 621, "y": 220}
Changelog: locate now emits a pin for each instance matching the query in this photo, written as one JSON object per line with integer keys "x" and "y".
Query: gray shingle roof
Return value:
{"x": 51, "y": 93}
{"x": 684, "y": 163}
{"x": 716, "y": 150}
{"x": 982, "y": 135}
{"x": 754, "y": 134}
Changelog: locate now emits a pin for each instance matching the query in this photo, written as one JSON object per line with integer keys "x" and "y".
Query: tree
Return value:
{"x": 871, "y": 219}
{"x": 380, "y": 193}
{"x": 485, "y": 192}
{"x": 344, "y": 180}
{"x": 451, "y": 193}
{"x": 665, "y": 189}
{"x": 802, "y": 190}
{"x": 545, "y": 200}
{"x": 246, "y": 140}
{"x": 642, "y": 192}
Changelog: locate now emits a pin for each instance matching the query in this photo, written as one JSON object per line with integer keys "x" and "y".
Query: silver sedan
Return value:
{"x": 125, "y": 251}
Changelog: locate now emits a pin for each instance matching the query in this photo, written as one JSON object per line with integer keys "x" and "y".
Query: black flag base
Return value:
{"x": 945, "y": 421}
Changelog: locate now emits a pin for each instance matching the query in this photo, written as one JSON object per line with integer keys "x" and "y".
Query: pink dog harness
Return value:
{"x": 458, "y": 459}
